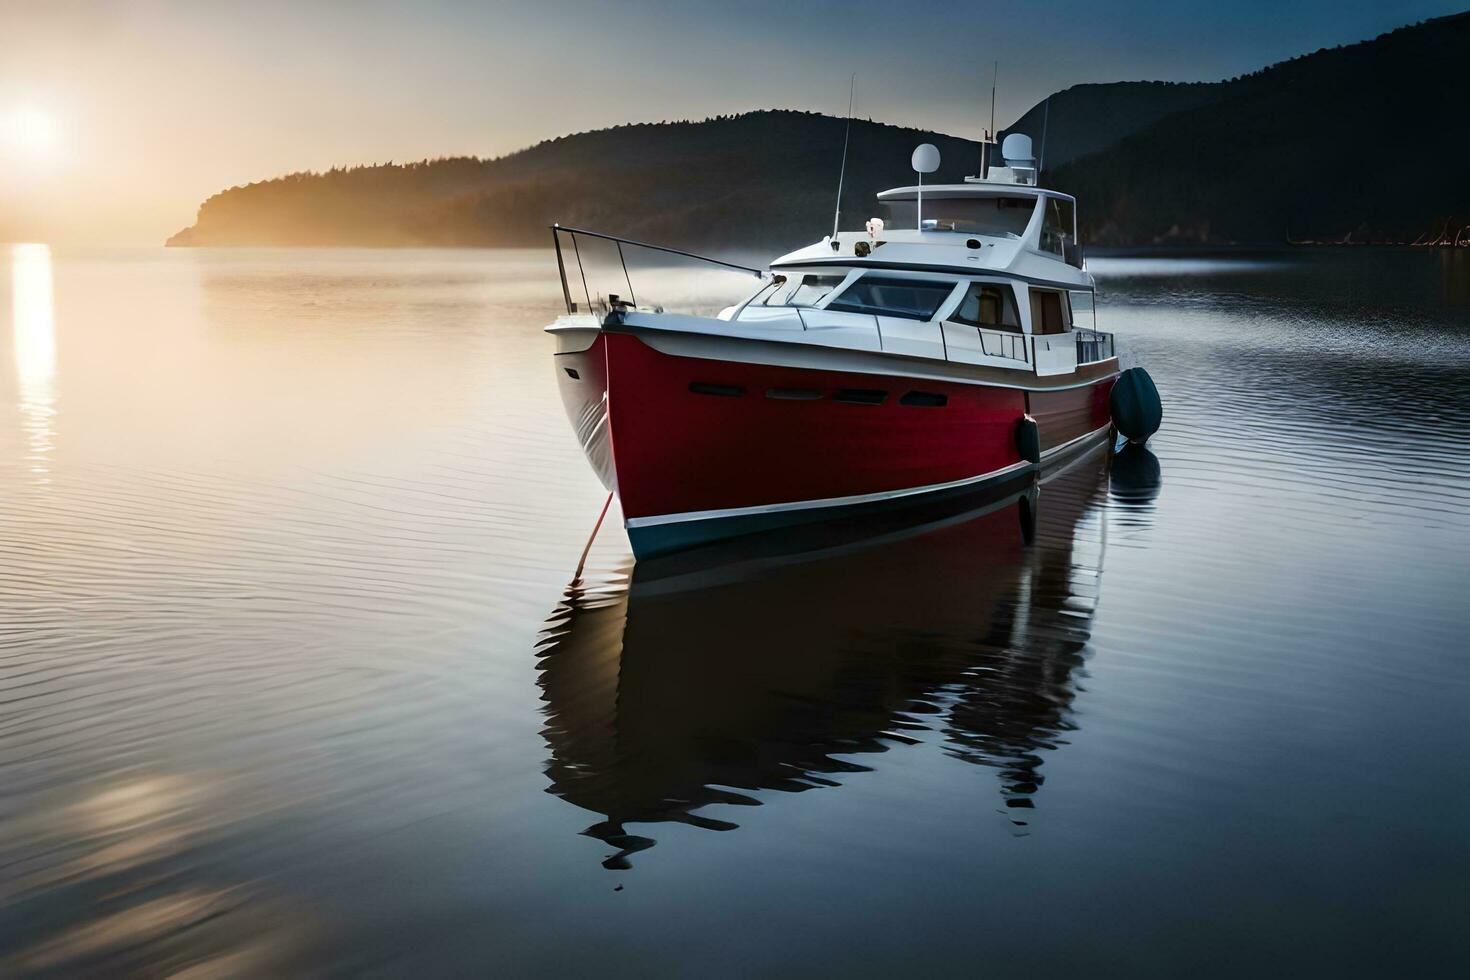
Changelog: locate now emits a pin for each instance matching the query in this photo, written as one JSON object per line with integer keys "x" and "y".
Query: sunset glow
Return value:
{"x": 29, "y": 135}
{"x": 121, "y": 119}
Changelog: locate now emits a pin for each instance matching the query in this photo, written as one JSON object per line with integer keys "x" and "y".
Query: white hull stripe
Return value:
{"x": 795, "y": 353}
{"x": 865, "y": 498}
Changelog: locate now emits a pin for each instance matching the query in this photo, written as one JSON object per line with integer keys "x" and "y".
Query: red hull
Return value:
{"x": 685, "y": 436}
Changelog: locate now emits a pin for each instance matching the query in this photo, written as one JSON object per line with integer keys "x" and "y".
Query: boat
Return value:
{"x": 946, "y": 346}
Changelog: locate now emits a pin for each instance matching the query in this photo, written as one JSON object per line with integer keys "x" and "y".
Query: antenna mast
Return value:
{"x": 989, "y": 133}
{"x": 841, "y": 174}
{"x": 1045, "y": 119}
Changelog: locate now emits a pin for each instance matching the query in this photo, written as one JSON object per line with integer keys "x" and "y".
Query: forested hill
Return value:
{"x": 1084, "y": 119}
{"x": 1359, "y": 143}
{"x": 759, "y": 179}
{"x": 1365, "y": 143}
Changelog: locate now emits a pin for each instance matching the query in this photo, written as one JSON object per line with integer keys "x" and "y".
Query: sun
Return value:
{"x": 28, "y": 133}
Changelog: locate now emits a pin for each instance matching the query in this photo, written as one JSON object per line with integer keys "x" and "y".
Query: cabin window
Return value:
{"x": 1059, "y": 230}
{"x": 997, "y": 217}
{"x": 1050, "y": 312}
{"x": 802, "y": 290}
{"x": 913, "y": 299}
{"x": 988, "y": 304}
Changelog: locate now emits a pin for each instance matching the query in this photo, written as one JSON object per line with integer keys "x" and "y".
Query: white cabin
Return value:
{"x": 984, "y": 272}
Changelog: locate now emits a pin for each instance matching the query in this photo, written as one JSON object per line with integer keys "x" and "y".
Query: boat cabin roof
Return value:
{"x": 978, "y": 189}
{"x": 1020, "y": 231}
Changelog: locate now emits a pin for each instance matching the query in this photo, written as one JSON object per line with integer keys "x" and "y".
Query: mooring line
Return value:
{"x": 593, "y": 537}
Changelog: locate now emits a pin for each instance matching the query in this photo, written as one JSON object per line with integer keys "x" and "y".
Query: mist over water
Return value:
{"x": 296, "y": 679}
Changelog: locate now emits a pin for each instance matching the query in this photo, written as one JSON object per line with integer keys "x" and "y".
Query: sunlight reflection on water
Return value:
{"x": 33, "y": 315}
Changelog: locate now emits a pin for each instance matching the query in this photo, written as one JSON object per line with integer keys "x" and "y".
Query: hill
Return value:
{"x": 759, "y": 179}
{"x": 1084, "y": 119}
{"x": 1356, "y": 143}
{"x": 1360, "y": 143}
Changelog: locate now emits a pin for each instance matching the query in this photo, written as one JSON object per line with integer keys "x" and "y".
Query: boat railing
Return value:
{"x": 1093, "y": 345}
{"x": 1006, "y": 344}
{"x": 596, "y": 276}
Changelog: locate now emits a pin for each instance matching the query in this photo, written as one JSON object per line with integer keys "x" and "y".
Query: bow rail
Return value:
{"x": 597, "y": 291}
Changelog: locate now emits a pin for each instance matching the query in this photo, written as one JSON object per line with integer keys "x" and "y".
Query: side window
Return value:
{"x": 1050, "y": 312}
{"x": 988, "y": 305}
{"x": 1057, "y": 228}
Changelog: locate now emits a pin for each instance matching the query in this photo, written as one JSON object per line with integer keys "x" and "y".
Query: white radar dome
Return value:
{"x": 1017, "y": 149}
{"x": 926, "y": 158}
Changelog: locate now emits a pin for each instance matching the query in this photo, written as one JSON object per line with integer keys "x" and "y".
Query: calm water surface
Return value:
{"x": 295, "y": 678}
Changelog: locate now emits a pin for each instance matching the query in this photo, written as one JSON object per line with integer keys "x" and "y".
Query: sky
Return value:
{"x": 118, "y": 119}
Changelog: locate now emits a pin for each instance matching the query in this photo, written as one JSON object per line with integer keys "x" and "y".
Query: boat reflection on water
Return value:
{"x": 712, "y": 678}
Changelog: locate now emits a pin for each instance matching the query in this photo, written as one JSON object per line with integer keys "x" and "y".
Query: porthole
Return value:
{"x": 794, "y": 394}
{"x": 862, "y": 396}
{"x": 726, "y": 391}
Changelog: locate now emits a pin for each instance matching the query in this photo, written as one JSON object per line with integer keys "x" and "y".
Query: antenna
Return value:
{"x": 989, "y": 136}
{"x": 841, "y": 174}
{"x": 994, "y": 78}
{"x": 1045, "y": 118}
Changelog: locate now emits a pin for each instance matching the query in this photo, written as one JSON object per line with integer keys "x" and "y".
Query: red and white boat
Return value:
{"x": 933, "y": 353}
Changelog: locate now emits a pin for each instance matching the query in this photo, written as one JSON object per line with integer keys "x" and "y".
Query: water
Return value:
{"x": 293, "y": 680}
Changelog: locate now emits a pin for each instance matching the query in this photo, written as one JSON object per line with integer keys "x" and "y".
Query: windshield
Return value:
{"x": 999, "y": 217}
{"x": 914, "y": 299}
{"x": 798, "y": 290}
